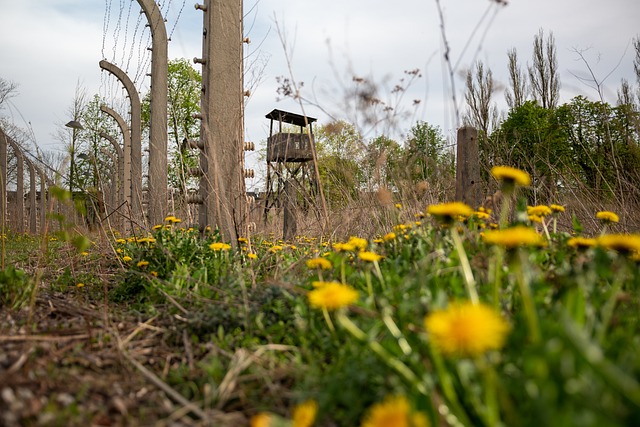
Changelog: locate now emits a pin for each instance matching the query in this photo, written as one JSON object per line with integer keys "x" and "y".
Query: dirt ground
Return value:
{"x": 69, "y": 362}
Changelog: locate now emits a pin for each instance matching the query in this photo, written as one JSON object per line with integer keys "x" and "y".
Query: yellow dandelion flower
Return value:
{"x": 262, "y": 419}
{"x": 389, "y": 236}
{"x": 121, "y": 241}
{"x": 243, "y": 240}
{"x": 119, "y": 250}
{"x": 481, "y": 214}
{"x": 369, "y": 256}
{"x": 142, "y": 263}
{"x": 581, "y": 242}
{"x": 126, "y": 258}
{"x": 608, "y": 217}
{"x": 304, "y": 414}
{"x": 80, "y": 285}
{"x": 332, "y": 296}
{"x": 358, "y": 243}
{"x": 154, "y": 273}
{"x": 394, "y": 411}
{"x": 398, "y": 205}
{"x": 535, "y": 218}
{"x": 448, "y": 212}
{"x": 319, "y": 263}
{"x": 275, "y": 248}
{"x": 540, "y": 210}
{"x": 84, "y": 253}
{"x": 170, "y": 218}
{"x": 252, "y": 256}
{"x": 156, "y": 227}
{"x": 343, "y": 247}
{"x": 511, "y": 176}
{"x": 514, "y": 237}
{"x": 219, "y": 246}
{"x": 557, "y": 208}
{"x": 466, "y": 329}
{"x": 623, "y": 243}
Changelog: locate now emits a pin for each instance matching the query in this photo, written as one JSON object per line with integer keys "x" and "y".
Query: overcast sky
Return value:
{"x": 48, "y": 46}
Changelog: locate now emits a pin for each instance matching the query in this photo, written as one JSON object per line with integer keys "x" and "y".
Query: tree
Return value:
{"x": 426, "y": 155}
{"x": 530, "y": 139}
{"x": 518, "y": 82}
{"x": 183, "y": 102}
{"x": 481, "y": 114}
{"x": 340, "y": 152}
{"x": 8, "y": 90}
{"x": 543, "y": 74}
{"x": 383, "y": 162}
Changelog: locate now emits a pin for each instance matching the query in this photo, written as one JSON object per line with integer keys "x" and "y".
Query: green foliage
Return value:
{"x": 15, "y": 288}
{"x": 426, "y": 154}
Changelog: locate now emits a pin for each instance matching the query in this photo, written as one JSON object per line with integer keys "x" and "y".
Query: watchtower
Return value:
{"x": 290, "y": 160}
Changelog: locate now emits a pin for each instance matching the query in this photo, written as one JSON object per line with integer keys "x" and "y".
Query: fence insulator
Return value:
{"x": 247, "y": 93}
{"x": 199, "y": 61}
{"x": 249, "y": 173}
{"x": 246, "y": 40}
{"x": 194, "y": 199}
{"x": 197, "y": 116}
{"x": 249, "y": 146}
{"x": 200, "y": 7}
{"x": 195, "y": 172}
{"x": 196, "y": 143}
{"x": 250, "y": 199}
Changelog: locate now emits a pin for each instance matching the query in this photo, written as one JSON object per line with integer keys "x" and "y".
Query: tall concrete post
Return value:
{"x": 43, "y": 199}
{"x": 33, "y": 205}
{"x": 468, "y": 188}
{"x": 158, "y": 182}
{"x": 19, "y": 206}
{"x": 136, "y": 138}
{"x": 125, "y": 151}
{"x": 3, "y": 183}
{"x": 221, "y": 131}
{"x": 118, "y": 180}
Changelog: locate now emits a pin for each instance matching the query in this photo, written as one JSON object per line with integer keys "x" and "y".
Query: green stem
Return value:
{"x": 495, "y": 276}
{"x": 327, "y": 319}
{"x": 466, "y": 267}
{"x": 386, "y": 357}
{"x": 527, "y": 299}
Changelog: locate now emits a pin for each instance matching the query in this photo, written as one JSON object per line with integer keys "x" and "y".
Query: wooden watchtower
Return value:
{"x": 290, "y": 157}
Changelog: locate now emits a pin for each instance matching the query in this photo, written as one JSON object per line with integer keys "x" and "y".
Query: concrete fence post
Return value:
{"x": 3, "y": 181}
{"x": 33, "y": 205}
{"x": 158, "y": 182}
{"x": 222, "y": 187}
{"x": 468, "y": 188}
{"x": 136, "y": 138}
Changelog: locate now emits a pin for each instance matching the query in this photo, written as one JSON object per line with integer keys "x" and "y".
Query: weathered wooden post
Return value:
{"x": 468, "y": 189}
{"x": 157, "y": 183}
{"x": 289, "y": 226}
{"x": 136, "y": 138}
{"x": 222, "y": 187}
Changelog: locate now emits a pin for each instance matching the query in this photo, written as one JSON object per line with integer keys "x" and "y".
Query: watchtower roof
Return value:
{"x": 292, "y": 118}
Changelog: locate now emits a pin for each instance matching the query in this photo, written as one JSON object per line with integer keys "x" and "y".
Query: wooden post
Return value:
{"x": 289, "y": 226}
{"x": 468, "y": 188}
{"x": 43, "y": 200}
